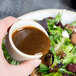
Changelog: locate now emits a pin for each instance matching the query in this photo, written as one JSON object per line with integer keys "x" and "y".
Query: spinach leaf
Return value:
{"x": 43, "y": 68}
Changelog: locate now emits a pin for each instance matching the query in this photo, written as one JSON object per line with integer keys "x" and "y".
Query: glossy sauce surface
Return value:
{"x": 31, "y": 40}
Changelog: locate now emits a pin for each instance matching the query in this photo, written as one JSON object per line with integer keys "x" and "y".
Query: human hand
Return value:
{"x": 24, "y": 69}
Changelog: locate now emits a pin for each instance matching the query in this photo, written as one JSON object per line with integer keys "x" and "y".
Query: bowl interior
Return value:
{"x": 67, "y": 17}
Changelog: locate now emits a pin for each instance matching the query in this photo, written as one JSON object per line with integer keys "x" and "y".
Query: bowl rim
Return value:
{"x": 45, "y": 10}
{"x": 68, "y": 16}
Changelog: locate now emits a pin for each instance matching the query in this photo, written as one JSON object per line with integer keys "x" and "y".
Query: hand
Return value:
{"x": 24, "y": 69}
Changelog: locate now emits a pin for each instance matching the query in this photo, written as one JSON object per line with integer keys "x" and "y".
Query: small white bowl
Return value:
{"x": 12, "y": 50}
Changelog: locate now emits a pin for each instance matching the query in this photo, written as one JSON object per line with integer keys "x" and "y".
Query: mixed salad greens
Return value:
{"x": 62, "y": 61}
{"x": 61, "y": 58}
{"x": 7, "y": 56}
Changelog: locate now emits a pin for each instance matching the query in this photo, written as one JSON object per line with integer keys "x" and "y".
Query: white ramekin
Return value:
{"x": 11, "y": 48}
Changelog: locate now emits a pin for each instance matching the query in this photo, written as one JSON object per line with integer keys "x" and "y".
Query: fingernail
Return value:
{"x": 37, "y": 62}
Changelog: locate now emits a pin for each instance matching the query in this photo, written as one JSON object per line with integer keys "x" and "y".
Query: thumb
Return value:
{"x": 26, "y": 68}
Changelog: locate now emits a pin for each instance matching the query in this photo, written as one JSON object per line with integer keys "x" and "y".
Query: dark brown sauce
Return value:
{"x": 31, "y": 40}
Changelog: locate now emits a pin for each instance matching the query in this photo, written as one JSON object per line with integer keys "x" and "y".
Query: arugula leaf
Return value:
{"x": 56, "y": 59}
{"x": 62, "y": 70}
{"x": 57, "y": 74}
{"x": 69, "y": 31}
{"x": 70, "y": 51}
{"x": 55, "y": 35}
{"x": 53, "y": 74}
{"x": 52, "y": 22}
{"x": 67, "y": 48}
{"x": 64, "y": 46}
{"x": 55, "y": 39}
{"x": 59, "y": 47}
{"x": 69, "y": 58}
{"x": 58, "y": 17}
{"x": 67, "y": 41}
{"x": 43, "y": 68}
{"x": 55, "y": 32}
{"x": 74, "y": 50}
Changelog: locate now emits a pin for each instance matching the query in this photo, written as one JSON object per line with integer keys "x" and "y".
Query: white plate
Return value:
{"x": 67, "y": 17}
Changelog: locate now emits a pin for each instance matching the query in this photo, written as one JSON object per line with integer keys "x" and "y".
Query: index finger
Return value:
{"x": 5, "y": 24}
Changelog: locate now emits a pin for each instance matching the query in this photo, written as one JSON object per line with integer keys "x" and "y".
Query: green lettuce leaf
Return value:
{"x": 9, "y": 59}
{"x": 56, "y": 58}
{"x": 53, "y": 74}
{"x": 73, "y": 23}
{"x": 43, "y": 68}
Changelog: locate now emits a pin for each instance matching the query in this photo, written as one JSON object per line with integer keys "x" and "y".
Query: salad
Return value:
{"x": 61, "y": 58}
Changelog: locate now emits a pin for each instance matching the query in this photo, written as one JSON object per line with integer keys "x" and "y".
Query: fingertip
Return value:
{"x": 37, "y": 62}
{"x": 31, "y": 63}
{"x": 34, "y": 63}
{"x": 5, "y": 24}
{"x": 26, "y": 67}
{"x": 10, "y": 19}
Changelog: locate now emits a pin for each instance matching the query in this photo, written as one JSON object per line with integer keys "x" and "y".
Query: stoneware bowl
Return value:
{"x": 67, "y": 17}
